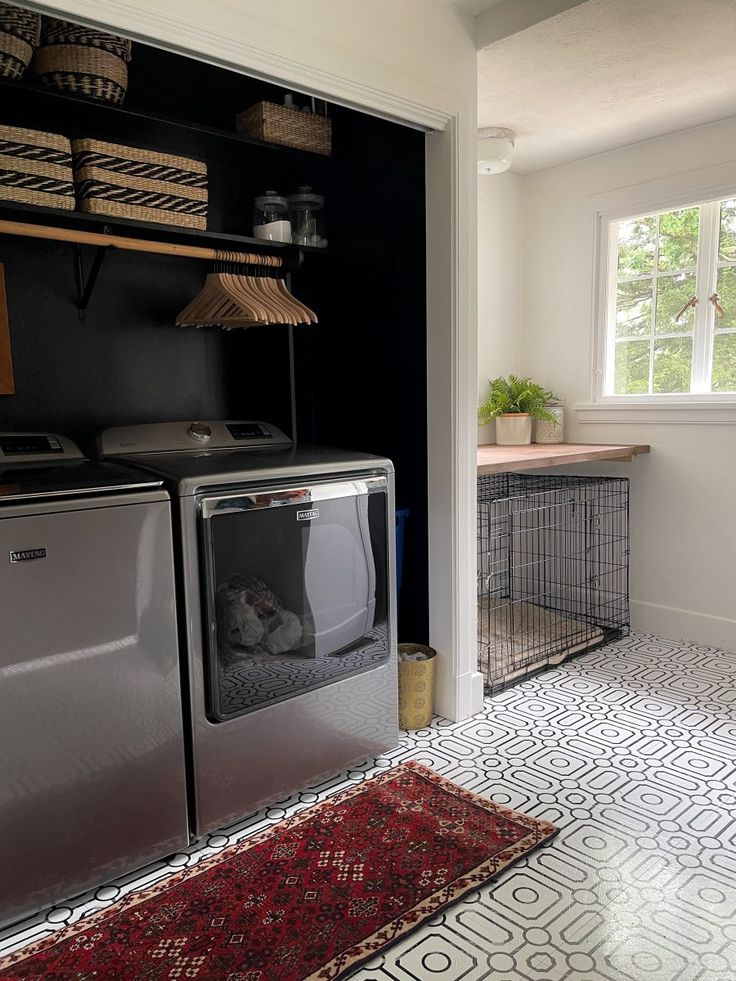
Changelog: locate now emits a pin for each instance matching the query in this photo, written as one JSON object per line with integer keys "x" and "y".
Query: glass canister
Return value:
{"x": 306, "y": 210}
{"x": 551, "y": 432}
{"x": 271, "y": 218}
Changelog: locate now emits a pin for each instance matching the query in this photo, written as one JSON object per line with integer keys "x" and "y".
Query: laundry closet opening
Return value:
{"x": 359, "y": 374}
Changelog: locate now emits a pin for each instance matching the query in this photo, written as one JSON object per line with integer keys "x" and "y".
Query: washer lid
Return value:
{"x": 68, "y": 479}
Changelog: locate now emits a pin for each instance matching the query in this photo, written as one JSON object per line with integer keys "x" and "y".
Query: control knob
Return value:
{"x": 200, "y": 432}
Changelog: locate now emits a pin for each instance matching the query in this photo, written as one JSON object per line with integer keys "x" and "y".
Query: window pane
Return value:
{"x": 726, "y": 289}
{"x": 724, "y": 363}
{"x": 636, "y": 240}
{"x": 672, "y": 364}
{"x": 673, "y": 292}
{"x": 634, "y": 308}
{"x": 678, "y": 239}
{"x": 727, "y": 248}
{"x": 632, "y": 368}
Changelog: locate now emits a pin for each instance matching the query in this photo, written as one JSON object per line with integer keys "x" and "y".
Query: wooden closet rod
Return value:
{"x": 135, "y": 244}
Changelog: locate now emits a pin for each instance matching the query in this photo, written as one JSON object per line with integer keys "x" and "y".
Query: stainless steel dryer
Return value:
{"x": 286, "y": 572}
{"x": 92, "y": 777}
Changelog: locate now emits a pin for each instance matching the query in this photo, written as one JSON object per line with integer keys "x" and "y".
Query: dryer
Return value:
{"x": 286, "y": 562}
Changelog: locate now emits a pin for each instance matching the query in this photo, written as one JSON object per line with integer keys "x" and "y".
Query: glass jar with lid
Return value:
{"x": 271, "y": 218}
{"x": 306, "y": 210}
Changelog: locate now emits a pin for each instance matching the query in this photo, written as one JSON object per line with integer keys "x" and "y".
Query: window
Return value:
{"x": 671, "y": 303}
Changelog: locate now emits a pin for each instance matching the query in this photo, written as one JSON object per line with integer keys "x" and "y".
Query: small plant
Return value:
{"x": 515, "y": 396}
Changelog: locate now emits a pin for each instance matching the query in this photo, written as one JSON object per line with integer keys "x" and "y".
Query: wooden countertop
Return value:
{"x": 497, "y": 459}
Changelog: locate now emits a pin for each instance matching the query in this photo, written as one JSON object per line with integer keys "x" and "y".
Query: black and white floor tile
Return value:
{"x": 631, "y": 751}
{"x": 257, "y": 680}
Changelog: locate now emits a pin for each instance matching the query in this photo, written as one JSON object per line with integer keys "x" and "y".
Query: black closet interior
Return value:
{"x": 360, "y": 373}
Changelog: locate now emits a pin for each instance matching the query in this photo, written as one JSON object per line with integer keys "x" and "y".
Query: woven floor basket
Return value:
{"x": 81, "y": 61}
{"x": 35, "y": 168}
{"x": 286, "y": 126}
{"x": 127, "y": 182}
{"x": 20, "y": 31}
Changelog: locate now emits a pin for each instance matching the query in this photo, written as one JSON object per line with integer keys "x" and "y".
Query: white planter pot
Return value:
{"x": 514, "y": 430}
{"x": 551, "y": 432}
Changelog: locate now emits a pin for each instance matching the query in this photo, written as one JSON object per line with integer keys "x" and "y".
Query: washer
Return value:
{"x": 91, "y": 736}
{"x": 286, "y": 566}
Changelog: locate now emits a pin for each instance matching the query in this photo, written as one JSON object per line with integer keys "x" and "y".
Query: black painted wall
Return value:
{"x": 125, "y": 362}
{"x": 361, "y": 373}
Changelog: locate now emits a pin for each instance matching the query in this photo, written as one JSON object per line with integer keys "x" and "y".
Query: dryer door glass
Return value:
{"x": 296, "y": 590}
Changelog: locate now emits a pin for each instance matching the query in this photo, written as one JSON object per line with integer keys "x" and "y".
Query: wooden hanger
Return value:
{"x": 306, "y": 315}
{"x": 214, "y": 301}
{"x": 233, "y": 299}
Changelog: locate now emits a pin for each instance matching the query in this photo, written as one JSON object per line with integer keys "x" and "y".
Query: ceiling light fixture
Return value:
{"x": 495, "y": 149}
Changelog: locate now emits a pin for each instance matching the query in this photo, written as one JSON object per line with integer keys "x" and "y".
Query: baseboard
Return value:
{"x": 676, "y": 624}
{"x": 463, "y": 699}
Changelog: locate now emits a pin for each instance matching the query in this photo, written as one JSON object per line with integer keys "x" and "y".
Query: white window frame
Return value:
{"x": 657, "y": 197}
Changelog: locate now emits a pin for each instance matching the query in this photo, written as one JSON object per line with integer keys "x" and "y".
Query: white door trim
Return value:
{"x": 142, "y": 22}
{"x": 452, "y": 420}
{"x": 451, "y": 315}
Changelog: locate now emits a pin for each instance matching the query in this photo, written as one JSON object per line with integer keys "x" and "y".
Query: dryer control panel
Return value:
{"x": 194, "y": 436}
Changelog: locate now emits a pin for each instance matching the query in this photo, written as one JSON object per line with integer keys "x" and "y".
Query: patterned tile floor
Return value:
{"x": 630, "y": 750}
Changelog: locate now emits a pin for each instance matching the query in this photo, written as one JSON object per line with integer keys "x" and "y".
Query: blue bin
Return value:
{"x": 401, "y": 515}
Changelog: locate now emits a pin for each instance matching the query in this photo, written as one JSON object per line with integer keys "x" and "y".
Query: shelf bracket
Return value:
{"x": 86, "y": 286}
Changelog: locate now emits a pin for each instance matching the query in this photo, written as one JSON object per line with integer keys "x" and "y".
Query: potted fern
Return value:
{"x": 513, "y": 402}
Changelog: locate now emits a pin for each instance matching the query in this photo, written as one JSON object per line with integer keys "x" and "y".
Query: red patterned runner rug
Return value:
{"x": 305, "y": 900}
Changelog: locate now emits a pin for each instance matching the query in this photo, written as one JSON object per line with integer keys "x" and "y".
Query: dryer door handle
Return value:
{"x": 290, "y": 496}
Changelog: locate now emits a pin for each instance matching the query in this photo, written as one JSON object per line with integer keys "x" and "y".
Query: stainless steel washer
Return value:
{"x": 91, "y": 738}
{"x": 286, "y": 568}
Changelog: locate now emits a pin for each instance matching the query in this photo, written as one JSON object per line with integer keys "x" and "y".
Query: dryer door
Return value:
{"x": 296, "y": 590}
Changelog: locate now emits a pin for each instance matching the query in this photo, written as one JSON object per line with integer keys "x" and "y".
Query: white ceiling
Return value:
{"x": 608, "y": 73}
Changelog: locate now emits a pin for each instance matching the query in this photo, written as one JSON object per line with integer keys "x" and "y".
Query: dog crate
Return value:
{"x": 553, "y": 570}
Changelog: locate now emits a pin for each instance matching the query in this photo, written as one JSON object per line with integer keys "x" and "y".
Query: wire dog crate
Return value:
{"x": 553, "y": 569}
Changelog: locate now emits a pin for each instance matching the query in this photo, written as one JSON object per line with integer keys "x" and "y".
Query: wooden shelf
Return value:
{"x": 130, "y": 228}
{"x": 32, "y": 96}
{"x": 503, "y": 459}
{"x": 228, "y": 155}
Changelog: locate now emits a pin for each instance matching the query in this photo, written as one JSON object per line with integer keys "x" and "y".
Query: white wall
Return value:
{"x": 499, "y": 281}
{"x": 414, "y": 61}
{"x": 684, "y": 495}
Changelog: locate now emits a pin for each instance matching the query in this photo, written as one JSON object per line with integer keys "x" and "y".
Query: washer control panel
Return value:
{"x": 189, "y": 437}
{"x": 37, "y": 448}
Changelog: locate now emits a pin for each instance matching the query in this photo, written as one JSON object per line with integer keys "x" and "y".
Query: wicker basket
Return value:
{"x": 287, "y": 126}
{"x": 35, "y": 168}
{"x": 416, "y": 686}
{"x": 82, "y": 61}
{"x": 127, "y": 182}
{"x": 19, "y": 35}
{"x": 62, "y": 32}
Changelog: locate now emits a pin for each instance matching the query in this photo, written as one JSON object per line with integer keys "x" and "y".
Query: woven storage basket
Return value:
{"x": 19, "y": 34}
{"x": 35, "y": 168}
{"x": 127, "y": 182}
{"x": 82, "y": 61}
{"x": 287, "y": 126}
{"x": 416, "y": 686}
